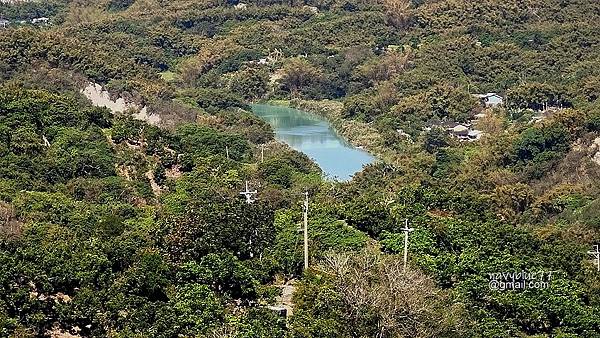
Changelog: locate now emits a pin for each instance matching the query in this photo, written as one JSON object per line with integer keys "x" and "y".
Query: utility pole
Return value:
{"x": 227, "y": 152}
{"x": 262, "y": 153}
{"x": 248, "y": 194}
{"x": 596, "y": 256}
{"x": 406, "y": 230}
{"x": 305, "y": 230}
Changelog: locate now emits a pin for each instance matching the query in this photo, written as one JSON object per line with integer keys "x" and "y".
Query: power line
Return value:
{"x": 249, "y": 199}
{"x": 406, "y": 230}
{"x": 248, "y": 194}
{"x": 305, "y": 230}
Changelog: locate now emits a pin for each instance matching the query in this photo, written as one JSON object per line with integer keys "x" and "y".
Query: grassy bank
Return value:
{"x": 357, "y": 133}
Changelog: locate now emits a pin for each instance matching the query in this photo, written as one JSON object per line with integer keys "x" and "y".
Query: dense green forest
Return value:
{"x": 112, "y": 226}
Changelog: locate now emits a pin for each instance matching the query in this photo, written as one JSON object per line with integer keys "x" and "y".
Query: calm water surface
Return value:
{"x": 315, "y": 137}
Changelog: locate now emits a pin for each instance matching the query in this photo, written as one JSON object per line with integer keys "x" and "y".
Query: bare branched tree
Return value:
{"x": 378, "y": 293}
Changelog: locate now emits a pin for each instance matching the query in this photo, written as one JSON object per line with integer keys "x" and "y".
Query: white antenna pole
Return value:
{"x": 306, "y": 230}
{"x": 406, "y": 231}
{"x": 227, "y": 152}
{"x": 596, "y": 256}
{"x": 262, "y": 153}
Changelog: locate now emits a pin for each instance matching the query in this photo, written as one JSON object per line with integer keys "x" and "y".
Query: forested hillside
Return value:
{"x": 131, "y": 224}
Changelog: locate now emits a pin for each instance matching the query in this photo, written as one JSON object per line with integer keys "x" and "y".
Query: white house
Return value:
{"x": 460, "y": 130}
{"x": 241, "y": 6}
{"x": 490, "y": 100}
{"x": 4, "y": 23}
{"x": 40, "y": 20}
{"x": 475, "y": 134}
{"x": 313, "y": 9}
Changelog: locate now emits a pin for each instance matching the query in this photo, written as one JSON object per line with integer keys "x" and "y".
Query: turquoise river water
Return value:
{"x": 314, "y": 136}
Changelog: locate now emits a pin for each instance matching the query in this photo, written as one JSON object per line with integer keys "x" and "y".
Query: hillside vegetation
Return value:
{"x": 114, "y": 227}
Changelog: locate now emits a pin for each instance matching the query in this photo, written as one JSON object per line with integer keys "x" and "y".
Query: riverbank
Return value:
{"x": 359, "y": 134}
{"x": 315, "y": 136}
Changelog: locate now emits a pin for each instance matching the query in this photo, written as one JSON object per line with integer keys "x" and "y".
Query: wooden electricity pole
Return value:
{"x": 406, "y": 231}
{"x": 306, "y": 230}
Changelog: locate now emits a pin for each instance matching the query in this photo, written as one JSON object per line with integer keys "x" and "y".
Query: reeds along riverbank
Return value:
{"x": 359, "y": 134}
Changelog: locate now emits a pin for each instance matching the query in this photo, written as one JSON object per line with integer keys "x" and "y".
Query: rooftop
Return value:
{"x": 483, "y": 96}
